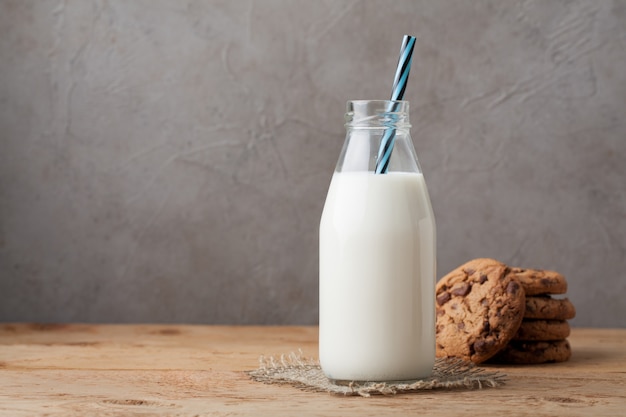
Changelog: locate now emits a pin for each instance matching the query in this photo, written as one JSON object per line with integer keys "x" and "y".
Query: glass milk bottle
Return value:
{"x": 377, "y": 255}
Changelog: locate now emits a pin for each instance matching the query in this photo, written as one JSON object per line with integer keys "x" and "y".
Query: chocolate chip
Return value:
{"x": 479, "y": 345}
{"x": 486, "y": 327}
{"x": 461, "y": 290}
{"x": 469, "y": 271}
{"x": 483, "y": 345}
{"x": 483, "y": 278}
{"x": 484, "y": 302}
{"x": 461, "y": 326}
{"x": 443, "y": 298}
{"x": 512, "y": 287}
{"x": 545, "y": 281}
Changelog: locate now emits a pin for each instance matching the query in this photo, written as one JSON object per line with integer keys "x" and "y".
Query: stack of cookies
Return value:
{"x": 542, "y": 334}
{"x": 489, "y": 311}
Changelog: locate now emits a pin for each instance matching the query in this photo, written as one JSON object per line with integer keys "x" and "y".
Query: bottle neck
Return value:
{"x": 377, "y": 114}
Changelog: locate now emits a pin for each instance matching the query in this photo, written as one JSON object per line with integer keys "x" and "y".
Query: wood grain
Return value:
{"x": 140, "y": 370}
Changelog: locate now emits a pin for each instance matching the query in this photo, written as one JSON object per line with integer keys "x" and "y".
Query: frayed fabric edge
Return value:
{"x": 305, "y": 373}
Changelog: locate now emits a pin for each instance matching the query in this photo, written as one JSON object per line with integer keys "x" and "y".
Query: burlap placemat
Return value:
{"x": 305, "y": 373}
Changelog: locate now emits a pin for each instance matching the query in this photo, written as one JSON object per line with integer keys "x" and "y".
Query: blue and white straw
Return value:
{"x": 399, "y": 85}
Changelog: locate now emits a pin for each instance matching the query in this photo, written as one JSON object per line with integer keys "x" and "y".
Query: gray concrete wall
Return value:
{"x": 167, "y": 161}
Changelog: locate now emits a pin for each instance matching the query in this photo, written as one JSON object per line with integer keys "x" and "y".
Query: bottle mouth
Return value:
{"x": 376, "y": 114}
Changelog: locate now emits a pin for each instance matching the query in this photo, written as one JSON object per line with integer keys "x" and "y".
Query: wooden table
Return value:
{"x": 142, "y": 370}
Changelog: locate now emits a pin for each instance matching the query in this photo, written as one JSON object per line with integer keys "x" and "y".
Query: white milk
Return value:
{"x": 377, "y": 278}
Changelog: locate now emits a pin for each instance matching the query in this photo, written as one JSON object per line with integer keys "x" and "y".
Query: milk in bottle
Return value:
{"x": 377, "y": 256}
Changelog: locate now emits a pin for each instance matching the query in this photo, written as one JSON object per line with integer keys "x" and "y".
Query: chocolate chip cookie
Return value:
{"x": 548, "y": 308}
{"x": 539, "y": 281}
{"x": 479, "y": 306}
{"x": 542, "y": 330}
{"x": 523, "y": 352}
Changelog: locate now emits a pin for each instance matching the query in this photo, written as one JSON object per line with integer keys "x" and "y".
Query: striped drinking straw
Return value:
{"x": 399, "y": 85}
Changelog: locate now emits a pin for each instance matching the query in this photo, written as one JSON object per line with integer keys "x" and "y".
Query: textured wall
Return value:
{"x": 168, "y": 160}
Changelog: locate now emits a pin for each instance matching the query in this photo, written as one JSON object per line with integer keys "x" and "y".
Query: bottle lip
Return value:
{"x": 375, "y": 101}
{"x": 376, "y": 114}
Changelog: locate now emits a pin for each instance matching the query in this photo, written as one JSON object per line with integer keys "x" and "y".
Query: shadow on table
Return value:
{"x": 581, "y": 357}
